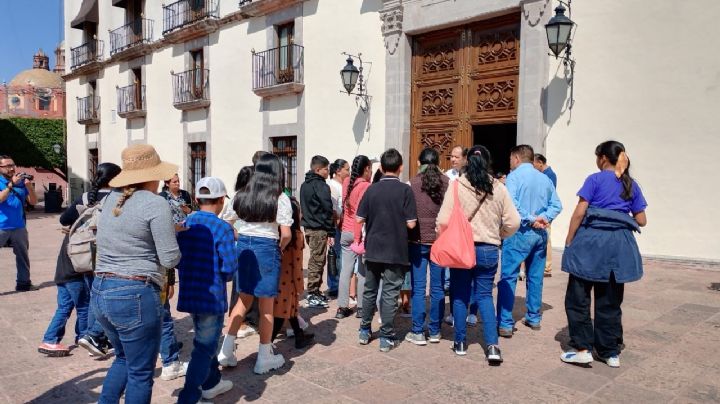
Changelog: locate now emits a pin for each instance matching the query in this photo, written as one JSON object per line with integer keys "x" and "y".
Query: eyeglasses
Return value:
{"x": 8, "y": 166}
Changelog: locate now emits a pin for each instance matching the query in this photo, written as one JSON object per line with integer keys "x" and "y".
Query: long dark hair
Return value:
{"x": 478, "y": 170}
{"x": 296, "y": 221}
{"x": 105, "y": 173}
{"x": 360, "y": 163}
{"x": 432, "y": 183}
{"x": 612, "y": 150}
{"x": 257, "y": 202}
{"x": 243, "y": 177}
{"x": 336, "y": 165}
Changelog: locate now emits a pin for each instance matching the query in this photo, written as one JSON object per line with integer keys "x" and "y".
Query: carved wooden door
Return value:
{"x": 462, "y": 76}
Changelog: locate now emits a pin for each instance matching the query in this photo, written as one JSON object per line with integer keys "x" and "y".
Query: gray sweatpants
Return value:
{"x": 348, "y": 267}
{"x": 19, "y": 240}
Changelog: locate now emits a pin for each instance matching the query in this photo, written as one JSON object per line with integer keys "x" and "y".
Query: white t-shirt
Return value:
{"x": 335, "y": 195}
{"x": 453, "y": 174}
{"x": 266, "y": 229}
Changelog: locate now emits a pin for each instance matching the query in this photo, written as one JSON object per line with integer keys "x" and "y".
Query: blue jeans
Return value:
{"x": 169, "y": 351}
{"x": 419, "y": 261}
{"x": 530, "y": 246}
{"x": 72, "y": 294}
{"x": 203, "y": 370}
{"x": 333, "y": 282}
{"x": 131, "y": 314}
{"x": 94, "y": 328}
{"x": 477, "y": 282}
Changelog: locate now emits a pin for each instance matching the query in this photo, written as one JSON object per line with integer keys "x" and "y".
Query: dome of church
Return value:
{"x": 37, "y": 78}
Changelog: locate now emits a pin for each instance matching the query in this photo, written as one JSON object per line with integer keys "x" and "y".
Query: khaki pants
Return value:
{"x": 317, "y": 242}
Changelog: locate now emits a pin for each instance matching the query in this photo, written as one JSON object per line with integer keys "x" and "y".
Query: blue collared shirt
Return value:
{"x": 208, "y": 261}
{"x": 11, "y": 211}
{"x": 551, "y": 174}
{"x": 533, "y": 194}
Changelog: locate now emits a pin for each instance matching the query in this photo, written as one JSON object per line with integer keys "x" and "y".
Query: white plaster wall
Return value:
{"x": 76, "y": 145}
{"x": 335, "y": 126}
{"x": 650, "y": 78}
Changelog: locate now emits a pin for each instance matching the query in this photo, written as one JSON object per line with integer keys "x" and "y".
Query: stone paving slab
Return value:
{"x": 671, "y": 322}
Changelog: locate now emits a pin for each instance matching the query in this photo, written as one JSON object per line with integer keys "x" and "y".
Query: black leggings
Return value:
{"x": 277, "y": 326}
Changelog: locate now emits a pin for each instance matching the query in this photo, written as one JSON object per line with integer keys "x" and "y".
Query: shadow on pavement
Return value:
{"x": 40, "y": 286}
{"x": 79, "y": 388}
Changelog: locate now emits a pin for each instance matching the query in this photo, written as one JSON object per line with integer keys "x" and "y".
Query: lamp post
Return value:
{"x": 352, "y": 76}
{"x": 559, "y": 36}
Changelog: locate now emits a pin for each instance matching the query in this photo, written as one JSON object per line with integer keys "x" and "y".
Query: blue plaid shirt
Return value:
{"x": 208, "y": 261}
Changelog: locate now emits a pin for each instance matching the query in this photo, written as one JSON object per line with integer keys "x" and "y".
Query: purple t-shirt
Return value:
{"x": 603, "y": 190}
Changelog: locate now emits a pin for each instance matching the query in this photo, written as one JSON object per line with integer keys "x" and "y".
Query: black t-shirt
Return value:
{"x": 387, "y": 206}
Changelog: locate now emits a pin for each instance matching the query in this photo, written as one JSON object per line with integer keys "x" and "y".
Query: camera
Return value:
{"x": 26, "y": 176}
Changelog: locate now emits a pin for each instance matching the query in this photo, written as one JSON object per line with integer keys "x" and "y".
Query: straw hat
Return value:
{"x": 141, "y": 163}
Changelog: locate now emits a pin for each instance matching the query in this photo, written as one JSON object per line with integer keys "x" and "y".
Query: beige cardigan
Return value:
{"x": 495, "y": 220}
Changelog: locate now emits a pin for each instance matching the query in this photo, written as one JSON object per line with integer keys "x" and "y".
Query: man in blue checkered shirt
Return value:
{"x": 208, "y": 262}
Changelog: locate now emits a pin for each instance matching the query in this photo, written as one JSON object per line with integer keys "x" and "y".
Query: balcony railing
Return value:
{"x": 185, "y": 12}
{"x": 88, "y": 109}
{"x": 129, "y": 35}
{"x": 131, "y": 101}
{"x": 281, "y": 66}
{"x": 86, "y": 53}
{"x": 191, "y": 89}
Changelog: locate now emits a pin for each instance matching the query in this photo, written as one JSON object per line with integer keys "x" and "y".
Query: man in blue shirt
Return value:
{"x": 208, "y": 262}
{"x": 15, "y": 189}
{"x": 537, "y": 202}
{"x": 540, "y": 164}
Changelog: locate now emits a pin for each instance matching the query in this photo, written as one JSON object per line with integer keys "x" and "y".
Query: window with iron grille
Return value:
{"x": 93, "y": 162}
{"x": 286, "y": 149}
{"x": 197, "y": 164}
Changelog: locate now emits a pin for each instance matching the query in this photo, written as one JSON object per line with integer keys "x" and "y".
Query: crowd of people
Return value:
{"x": 380, "y": 234}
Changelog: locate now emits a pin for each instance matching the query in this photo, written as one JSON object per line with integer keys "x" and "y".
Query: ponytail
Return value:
{"x": 432, "y": 183}
{"x": 478, "y": 170}
{"x": 93, "y": 193}
{"x": 615, "y": 153}
{"x": 127, "y": 193}
{"x": 356, "y": 171}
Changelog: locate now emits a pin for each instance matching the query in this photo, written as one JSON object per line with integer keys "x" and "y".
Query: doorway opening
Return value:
{"x": 499, "y": 139}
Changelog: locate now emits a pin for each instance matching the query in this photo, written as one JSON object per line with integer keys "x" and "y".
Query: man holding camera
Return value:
{"x": 15, "y": 189}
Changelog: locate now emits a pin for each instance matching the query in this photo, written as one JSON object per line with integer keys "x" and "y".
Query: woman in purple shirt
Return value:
{"x": 601, "y": 254}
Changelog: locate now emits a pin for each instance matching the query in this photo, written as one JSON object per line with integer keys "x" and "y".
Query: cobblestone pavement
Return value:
{"x": 671, "y": 321}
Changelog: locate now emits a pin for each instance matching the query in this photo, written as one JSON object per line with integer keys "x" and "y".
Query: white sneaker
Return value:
{"x": 267, "y": 361}
{"x": 583, "y": 357}
{"x": 472, "y": 320}
{"x": 226, "y": 356}
{"x": 223, "y": 386}
{"x": 613, "y": 361}
{"x": 289, "y": 332}
{"x": 174, "y": 370}
{"x": 246, "y": 332}
{"x": 450, "y": 320}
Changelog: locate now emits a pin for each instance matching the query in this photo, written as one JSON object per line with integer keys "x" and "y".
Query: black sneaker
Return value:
{"x": 358, "y": 312}
{"x": 315, "y": 301}
{"x": 94, "y": 345}
{"x": 25, "y": 287}
{"x": 494, "y": 356}
{"x": 460, "y": 348}
{"x": 333, "y": 294}
{"x": 343, "y": 312}
{"x": 323, "y": 297}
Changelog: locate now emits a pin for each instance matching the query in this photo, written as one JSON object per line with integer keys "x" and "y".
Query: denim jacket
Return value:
{"x": 604, "y": 244}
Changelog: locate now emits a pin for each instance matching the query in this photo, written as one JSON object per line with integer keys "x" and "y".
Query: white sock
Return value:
{"x": 228, "y": 345}
{"x": 265, "y": 349}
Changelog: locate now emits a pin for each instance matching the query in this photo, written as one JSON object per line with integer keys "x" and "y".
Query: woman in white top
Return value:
{"x": 264, "y": 219}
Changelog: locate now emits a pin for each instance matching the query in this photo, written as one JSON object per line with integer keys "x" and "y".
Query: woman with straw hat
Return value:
{"x": 135, "y": 243}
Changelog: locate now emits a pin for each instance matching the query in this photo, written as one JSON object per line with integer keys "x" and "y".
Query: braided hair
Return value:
{"x": 432, "y": 183}
{"x": 105, "y": 173}
{"x": 359, "y": 164}
{"x": 127, "y": 193}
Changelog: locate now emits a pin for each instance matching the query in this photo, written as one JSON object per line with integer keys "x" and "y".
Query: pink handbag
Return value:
{"x": 358, "y": 247}
{"x": 454, "y": 248}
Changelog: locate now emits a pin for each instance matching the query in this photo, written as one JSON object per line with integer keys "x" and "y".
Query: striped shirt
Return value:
{"x": 208, "y": 261}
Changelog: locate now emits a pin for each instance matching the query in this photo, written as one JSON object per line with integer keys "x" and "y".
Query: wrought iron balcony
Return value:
{"x": 188, "y": 19}
{"x": 131, "y": 101}
{"x": 88, "y": 110}
{"x": 86, "y": 53}
{"x": 191, "y": 89}
{"x": 128, "y": 41}
{"x": 278, "y": 71}
{"x": 257, "y": 8}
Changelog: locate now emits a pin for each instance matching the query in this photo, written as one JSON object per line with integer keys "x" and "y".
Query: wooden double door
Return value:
{"x": 463, "y": 79}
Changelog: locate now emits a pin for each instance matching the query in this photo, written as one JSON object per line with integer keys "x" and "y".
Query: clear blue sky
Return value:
{"x": 25, "y": 26}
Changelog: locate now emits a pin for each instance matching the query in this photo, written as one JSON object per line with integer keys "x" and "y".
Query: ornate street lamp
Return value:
{"x": 558, "y": 31}
{"x": 352, "y": 76}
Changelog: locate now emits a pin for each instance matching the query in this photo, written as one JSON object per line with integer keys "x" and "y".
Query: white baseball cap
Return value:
{"x": 214, "y": 184}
